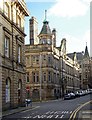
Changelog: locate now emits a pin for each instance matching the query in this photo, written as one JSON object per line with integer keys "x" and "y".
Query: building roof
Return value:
{"x": 79, "y": 55}
{"x": 86, "y": 54}
{"x": 45, "y": 28}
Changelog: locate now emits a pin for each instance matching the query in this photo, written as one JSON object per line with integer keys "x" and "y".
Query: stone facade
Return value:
{"x": 85, "y": 72}
{"x": 50, "y": 72}
{"x": 86, "y": 66}
{"x": 12, "y": 53}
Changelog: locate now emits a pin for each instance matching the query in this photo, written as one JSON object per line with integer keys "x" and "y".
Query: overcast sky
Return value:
{"x": 71, "y": 18}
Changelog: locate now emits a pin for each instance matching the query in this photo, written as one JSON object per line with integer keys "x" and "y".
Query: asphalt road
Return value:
{"x": 56, "y": 108}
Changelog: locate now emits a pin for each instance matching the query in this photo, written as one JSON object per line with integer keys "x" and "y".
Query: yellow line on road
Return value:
{"x": 73, "y": 115}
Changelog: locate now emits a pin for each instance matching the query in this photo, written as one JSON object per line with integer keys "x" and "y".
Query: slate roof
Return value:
{"x": 86, "y": 55}
{"x": 79, "y": 55}
{"x": 45, "y": 28}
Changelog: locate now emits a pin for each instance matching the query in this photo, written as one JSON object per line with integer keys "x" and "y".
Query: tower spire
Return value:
{"x": 45, "y": 15}
{"x": 86, "y": 43}
{"x": 86, "y": 54}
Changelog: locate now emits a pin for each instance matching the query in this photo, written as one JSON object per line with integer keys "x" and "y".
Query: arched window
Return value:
{"x": 7, "y": 90}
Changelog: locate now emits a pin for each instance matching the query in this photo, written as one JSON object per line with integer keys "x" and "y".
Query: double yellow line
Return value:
{"x": 73, "y": 115}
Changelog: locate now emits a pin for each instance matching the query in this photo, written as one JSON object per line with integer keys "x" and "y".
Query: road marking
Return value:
{"x": 62, "y": 116}
{"x": 70, "y": 112}
{"x": 80, "y": 108}
{"x": 87, "y": 111}
{"x": 55, "y": 112}
{"x": 43, "y": 116}
{"x": 56, "y": 116}
{"x": 48, "y": 112}
{"x": 85, "y": 114}
{"x": 73, "y": 115}
{"x": 27, "y": 117}
{"x": 52, "y": 112}
{"x": 38, "y": 116}
{"x": 65, "y": 112}
{"x": 50, "y": 116}
{"x": 58, "y": 112}
{"x": 30, "y": 109}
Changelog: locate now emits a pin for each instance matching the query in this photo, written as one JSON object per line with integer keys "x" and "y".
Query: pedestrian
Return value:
{"x": 26, "y": 101}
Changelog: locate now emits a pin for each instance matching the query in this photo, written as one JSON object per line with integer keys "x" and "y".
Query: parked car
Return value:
{"x": 89, "y": 91}
{"x": 69, "y": 96}
{"x": 83, "y": 92}
{"x": 72, "y": 95}
{"x": 80, "y": 93}
{"x": 77, "y": 94}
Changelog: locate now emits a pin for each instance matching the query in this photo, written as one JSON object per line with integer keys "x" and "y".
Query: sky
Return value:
{"x": 70, "y": 18}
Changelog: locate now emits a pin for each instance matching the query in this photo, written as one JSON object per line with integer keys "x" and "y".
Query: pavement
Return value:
{"x": 16, "y": 110}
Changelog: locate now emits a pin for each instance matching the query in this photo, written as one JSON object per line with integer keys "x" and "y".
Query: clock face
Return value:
{"x": 44, "y": 41}
{"x": 49, "y": 41}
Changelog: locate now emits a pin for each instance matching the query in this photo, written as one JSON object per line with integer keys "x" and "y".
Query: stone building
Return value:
{"x": 90, "y": 74}
{"x": 85, "y": 72}
{"x": 50, "y": 72}
{"x": 12, "y": 52}
{"x": 86, "y": 69}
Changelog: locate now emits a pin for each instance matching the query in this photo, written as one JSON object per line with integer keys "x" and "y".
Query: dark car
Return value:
{"x": 69, "y": 96}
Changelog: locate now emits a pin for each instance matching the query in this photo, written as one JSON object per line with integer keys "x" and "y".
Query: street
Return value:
{"x": 57, "y": 108}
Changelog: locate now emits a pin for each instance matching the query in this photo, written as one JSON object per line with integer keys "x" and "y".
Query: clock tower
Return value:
{"x": 45, "y": 36}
